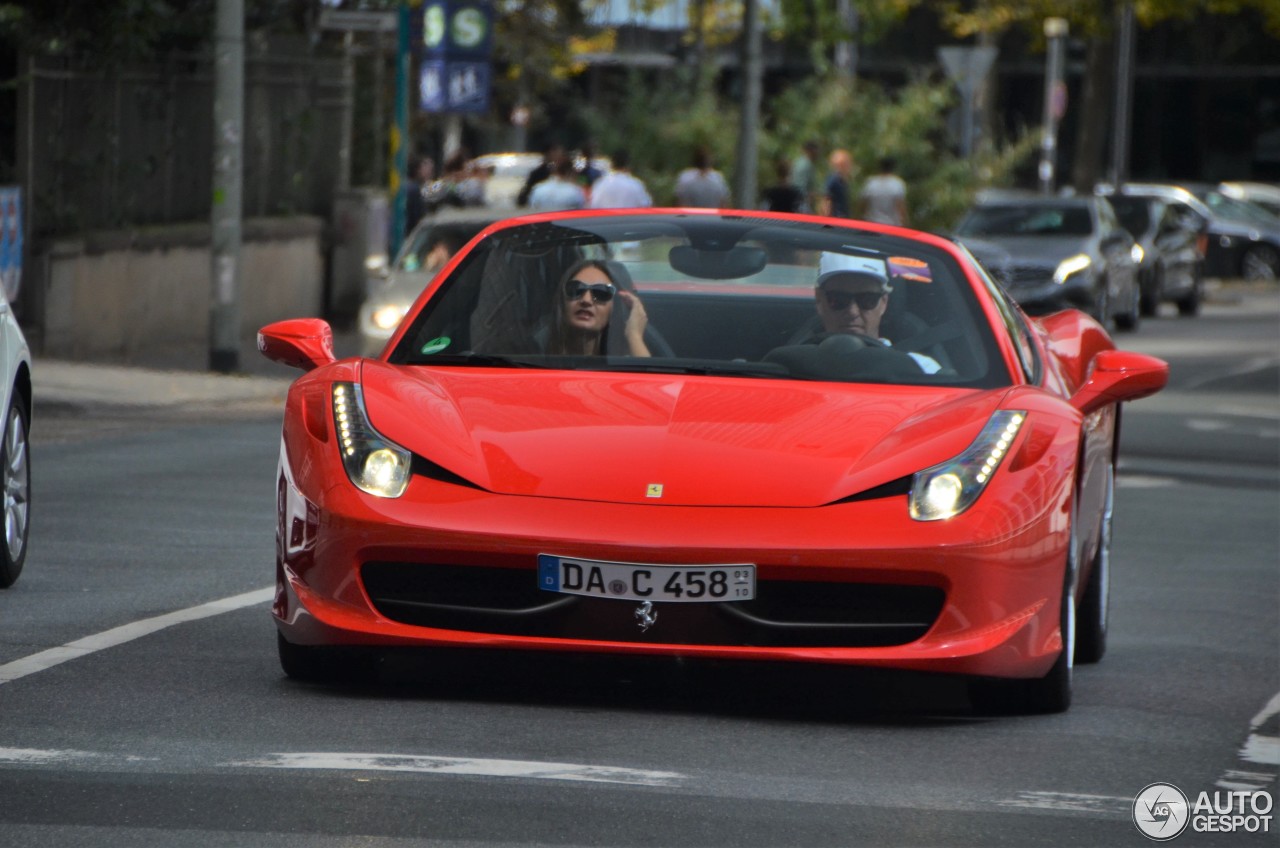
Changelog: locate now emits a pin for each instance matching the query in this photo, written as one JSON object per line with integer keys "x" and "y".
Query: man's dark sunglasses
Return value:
{"x": 600, "y": 292}
{"x": 840, "y": 300}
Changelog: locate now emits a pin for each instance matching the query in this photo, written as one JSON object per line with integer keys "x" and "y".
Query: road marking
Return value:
{"x": 1143, "y": 481}
{"x": 39, "y": 756}
{"x": 467, "y": 766}
{"x": 1261, "y": 748}
{"x": 126, "y": 633}
{"x": 1070, "y": 802}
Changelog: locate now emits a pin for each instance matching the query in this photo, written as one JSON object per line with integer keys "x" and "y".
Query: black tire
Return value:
{"x": 1102, "y": 306}
{"x": 313, "y": 664}
{"x": 15, "y": 462}
{"x": 1189, "y": 304}
{"x": 1131, "y": 317}
{"x": 1091, "y": 623}
{"x": 1149, "y": 299}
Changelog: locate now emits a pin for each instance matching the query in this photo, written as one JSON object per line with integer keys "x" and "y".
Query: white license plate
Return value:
{"x": 630, "y": 581}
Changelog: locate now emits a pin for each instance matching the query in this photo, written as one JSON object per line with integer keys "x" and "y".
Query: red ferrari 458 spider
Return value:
{"x": 713, "y": 434}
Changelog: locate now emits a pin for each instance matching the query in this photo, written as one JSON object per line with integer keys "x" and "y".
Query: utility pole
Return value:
{"x": 752, "y": 71}
{"x": 228, "y": 177}
{"x": 1055, "y": 99}
{"x": 1124, "y": 97}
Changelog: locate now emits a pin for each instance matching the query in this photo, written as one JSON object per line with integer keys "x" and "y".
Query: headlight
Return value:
{"x": 376, "y": 263}
{"x": 949, "y": 489}
{"x": 388, "y": 316}
{"x": 1137, "y": 253}
{"x": 373, "y": 464}
{"x": 1071, "y": 265}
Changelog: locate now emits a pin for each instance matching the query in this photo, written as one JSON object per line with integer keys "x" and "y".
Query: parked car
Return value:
{"x": 15, "y": 453}
{"x": 1244, "y": 239}
{"x": 1265, "y": 195}
{"x": 687, "y": 455}
{"x": 1173, "y": 248}
{"x": 427, "y": 249}
{"x": 1064, "y": 252}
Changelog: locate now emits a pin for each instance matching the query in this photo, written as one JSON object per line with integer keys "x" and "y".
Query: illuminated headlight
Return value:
{"x": 388, "y": 316}
{"x": 375, "y": 262}
{"x": 949, "y": 489}
{"x": 1137, "y": 253}
{"x": 373, "y": 464}
{"x": 1071, "y": 265}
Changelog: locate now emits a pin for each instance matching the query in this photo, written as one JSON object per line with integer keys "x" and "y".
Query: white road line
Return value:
{"x": 126, "y": 633}
{"x": 467, "y": 766}
{"x": 1071, "y": 802}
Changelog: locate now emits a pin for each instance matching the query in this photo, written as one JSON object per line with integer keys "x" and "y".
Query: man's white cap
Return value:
{"x": 834, "y": 264}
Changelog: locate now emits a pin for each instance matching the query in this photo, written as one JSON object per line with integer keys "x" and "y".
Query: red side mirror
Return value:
{"x": 1120, "y": 375}
{"x": 304, "y": 343}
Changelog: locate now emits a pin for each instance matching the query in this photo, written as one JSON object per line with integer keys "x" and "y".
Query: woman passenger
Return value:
{"x": 582, "y": 314}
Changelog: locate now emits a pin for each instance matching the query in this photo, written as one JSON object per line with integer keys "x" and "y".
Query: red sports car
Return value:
{"x": 715, "y": 434}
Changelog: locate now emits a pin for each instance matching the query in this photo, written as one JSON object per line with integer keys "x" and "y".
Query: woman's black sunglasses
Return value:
{"x": 600, "y": 292}
{"x": 840, "y": 300}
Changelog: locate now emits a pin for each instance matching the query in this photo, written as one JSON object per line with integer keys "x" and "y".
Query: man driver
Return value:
{"x": 852, "y": 294}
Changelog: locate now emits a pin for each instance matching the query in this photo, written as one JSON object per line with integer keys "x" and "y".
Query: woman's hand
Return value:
{"x": 636, "y": 322}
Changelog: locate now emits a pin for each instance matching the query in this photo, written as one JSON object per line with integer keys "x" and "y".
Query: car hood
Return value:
{"x": 706, "y": 441}
{"x": 1045, "y": 251}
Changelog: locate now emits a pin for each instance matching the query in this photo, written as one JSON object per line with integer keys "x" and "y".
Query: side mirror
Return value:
{"x": 305, "y": 343}
{"x": 1120, "y": 375}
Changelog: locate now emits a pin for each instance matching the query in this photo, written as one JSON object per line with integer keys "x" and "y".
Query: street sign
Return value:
{"x": 454, "y": 29}
{"x": 446, "y": 86}
{"x": 355, "y": 21}
{"x": 967, "y": 66}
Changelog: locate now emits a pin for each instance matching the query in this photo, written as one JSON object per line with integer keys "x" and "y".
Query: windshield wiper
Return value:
{"x": 666, "y": 365}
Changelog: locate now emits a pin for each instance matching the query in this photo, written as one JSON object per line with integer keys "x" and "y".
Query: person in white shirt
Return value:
{"x": 884, "y": 196}
{"x": 559, "y": 191}
{"x": 619, "y": 189}
{"x": 702, "y": 185}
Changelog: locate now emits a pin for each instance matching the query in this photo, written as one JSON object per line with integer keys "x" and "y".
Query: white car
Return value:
{"x": 15, "y": 454}
{"x": 424, "y": 252}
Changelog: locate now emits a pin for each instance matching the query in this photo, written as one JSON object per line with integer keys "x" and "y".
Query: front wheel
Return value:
{"x": 1091, "y": 641}
{"x": 1131, "y": 317}
{"x": 16, "y": 472}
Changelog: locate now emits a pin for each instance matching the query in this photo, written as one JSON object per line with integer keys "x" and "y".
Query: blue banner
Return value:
{"x": 449, "y": 86}
{"x": 10, "y": 241}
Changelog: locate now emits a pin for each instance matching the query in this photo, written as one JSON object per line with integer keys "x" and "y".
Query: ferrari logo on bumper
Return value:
{"x": 654, "y": 490}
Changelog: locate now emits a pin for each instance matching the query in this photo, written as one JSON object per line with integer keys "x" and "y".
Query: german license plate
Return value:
{"x": 630, "y": 581}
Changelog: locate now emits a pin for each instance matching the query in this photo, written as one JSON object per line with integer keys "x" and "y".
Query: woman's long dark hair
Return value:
{"x": 562, "y": 335}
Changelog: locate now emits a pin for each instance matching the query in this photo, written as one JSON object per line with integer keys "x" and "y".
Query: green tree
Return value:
{"x": 1095, "y": 22}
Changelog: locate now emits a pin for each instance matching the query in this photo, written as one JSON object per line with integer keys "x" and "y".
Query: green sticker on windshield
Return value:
{"x": 436, "y": 345}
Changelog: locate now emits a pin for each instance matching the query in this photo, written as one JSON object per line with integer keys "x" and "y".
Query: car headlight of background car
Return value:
{"x": 950, "y": 488}
{"x": 1069, "y": 266}
{"x": 373, "y": 464}
{"x": 387, "y": 316}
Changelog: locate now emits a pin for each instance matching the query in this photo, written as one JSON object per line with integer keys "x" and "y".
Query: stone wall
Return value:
{"x": 125, "y": 295}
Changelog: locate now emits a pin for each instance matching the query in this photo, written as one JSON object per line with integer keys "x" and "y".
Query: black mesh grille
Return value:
{"x": 507, "y": 601}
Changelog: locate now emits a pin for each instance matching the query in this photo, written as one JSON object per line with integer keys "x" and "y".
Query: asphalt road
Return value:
{"x": 141, "y": 702}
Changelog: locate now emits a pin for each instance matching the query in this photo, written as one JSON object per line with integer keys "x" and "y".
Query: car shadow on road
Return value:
{"x": 752, "y": 690}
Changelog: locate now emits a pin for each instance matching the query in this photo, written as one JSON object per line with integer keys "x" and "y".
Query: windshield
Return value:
{"x": 708, "y": 294}
{"x": 1024, "y": 219}
{"x": 1238, "y": 210}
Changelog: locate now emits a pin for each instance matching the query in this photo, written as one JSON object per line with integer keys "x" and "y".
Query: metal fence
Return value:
{"x": 134, "y": 147}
